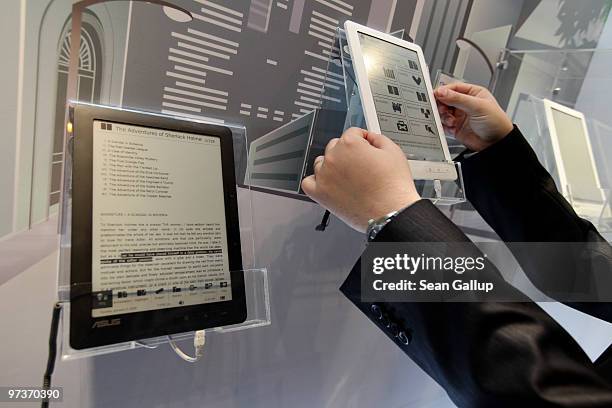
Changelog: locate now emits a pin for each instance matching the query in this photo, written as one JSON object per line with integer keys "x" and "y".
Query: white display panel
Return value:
{"x": 401, "y": 99}
{"x": 573, "y": 157}
{"x": 159, "y": 228}
{"x": 577, "y": 156}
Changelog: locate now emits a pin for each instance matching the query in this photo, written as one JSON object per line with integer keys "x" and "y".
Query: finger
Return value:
{"x": 355, "y": 131}
{"x": 318, "y": 162}
{"x": 449, "y": 130}
{"x": 331, "y": 145}
{"x": 459, "y": 100}
{"x": 378, "y": 141}
{"x": 448, "y": 120}
{"x": 445, "y": 109}
{"x": 309, "y": 185}
{"x": 354, "y": 134}
{"x": 442, "y": 108}
{"x": 464, "y": 88}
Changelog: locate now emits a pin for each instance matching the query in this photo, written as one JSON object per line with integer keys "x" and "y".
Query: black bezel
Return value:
{"x": 147, "y": 324}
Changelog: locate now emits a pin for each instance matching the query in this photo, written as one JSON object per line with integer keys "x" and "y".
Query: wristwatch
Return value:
{"x": 376, "y": 225}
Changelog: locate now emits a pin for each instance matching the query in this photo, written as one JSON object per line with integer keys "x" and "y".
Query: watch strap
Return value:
{"x": 376, "y": 225}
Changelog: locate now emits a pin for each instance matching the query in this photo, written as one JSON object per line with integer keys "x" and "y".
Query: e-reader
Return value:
{"x": 155, "y": 240}
{"x": 398, "y": 101}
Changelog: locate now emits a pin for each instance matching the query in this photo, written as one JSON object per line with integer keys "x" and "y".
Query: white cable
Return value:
{"x": 199, "y": 340}
{"x": 145, "y": 345}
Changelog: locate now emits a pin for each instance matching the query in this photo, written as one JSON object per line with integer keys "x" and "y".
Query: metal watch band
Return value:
{"x": 375, "y": 226}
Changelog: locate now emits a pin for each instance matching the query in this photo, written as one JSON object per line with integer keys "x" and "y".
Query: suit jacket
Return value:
{"x": 493, "y": 354}
{"x": 518, "y": 198}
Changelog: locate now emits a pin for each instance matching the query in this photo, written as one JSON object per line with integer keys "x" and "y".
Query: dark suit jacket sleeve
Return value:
{"x": 483, "y": 354}
{"x": 518, "y": 198}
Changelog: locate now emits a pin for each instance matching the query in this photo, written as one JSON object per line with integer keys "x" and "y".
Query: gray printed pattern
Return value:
{"x": 259, "y": 63}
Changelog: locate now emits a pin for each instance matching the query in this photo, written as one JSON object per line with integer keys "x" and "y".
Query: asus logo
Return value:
{"x": 106, "y": 323}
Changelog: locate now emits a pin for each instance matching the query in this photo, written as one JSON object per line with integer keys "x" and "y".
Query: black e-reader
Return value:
{"x": 155, "y": 239}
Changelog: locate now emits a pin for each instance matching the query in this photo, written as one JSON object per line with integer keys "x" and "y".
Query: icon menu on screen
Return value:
{"x": 389, "y": 73}
{"x": 402, "y": 101}
{"x": 402, "y": 126}
{"x": 393, "y": 90}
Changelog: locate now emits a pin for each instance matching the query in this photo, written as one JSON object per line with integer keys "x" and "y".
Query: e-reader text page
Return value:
{"x": 159, "y": 231}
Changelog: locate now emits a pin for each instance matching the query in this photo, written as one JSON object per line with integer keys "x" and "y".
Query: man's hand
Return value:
{"x": 472, "y": 115}
{"x": 362, "y": 176}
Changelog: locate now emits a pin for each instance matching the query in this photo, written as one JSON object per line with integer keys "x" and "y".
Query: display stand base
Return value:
{"x": 258, "y": 315}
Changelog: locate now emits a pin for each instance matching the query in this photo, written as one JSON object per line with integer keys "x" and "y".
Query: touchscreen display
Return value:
{"x": 159, "y": 228}
{"x": 576, "y": 156}
{"x": 402, "y": 104}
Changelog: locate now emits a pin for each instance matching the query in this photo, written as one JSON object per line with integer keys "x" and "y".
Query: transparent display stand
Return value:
{"x": 530, "y": 115}
{"x": 273, "y": 163}
{"x": 255, "y": 279}
{"x": 258, "y": 314}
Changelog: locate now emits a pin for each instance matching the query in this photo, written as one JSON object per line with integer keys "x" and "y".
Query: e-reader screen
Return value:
{"x": 576, "y": 156}
{"x": 155, "y": 236}
{"x": 159, "y": 227}
{"x": 404, "y": 111}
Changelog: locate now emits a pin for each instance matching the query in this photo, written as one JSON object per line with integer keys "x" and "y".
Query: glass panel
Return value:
{"x": 581, "y": 81}
{"x": 101, "y": 56}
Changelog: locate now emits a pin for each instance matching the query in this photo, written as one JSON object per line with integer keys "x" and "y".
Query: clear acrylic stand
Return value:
{"x": 273, "y": 163}
{"x": 255, "y": 279}
{"x": 530, "y": 116}
{"x": 258, "y": 315}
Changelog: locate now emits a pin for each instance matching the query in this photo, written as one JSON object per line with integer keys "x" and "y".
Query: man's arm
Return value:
{"x": 483, "y": 354}
{"x": 513, "y": 192}
{"x": 518, "y": 198}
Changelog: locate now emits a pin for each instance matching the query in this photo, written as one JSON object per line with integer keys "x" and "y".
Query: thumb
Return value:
{"x": 309, "y": 185}
{"x": 468, "y": 103}
{"x": 378, "y": 141}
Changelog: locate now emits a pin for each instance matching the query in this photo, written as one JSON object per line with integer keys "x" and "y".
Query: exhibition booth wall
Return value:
{"x": 257, "y": 65}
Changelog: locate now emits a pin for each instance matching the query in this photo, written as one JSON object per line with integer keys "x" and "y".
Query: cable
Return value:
{"x": 324, "y": 222}
{"x": 199, "y": 340}
{"x": 57, "y": 308}
{"x": 145, "y": 345}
